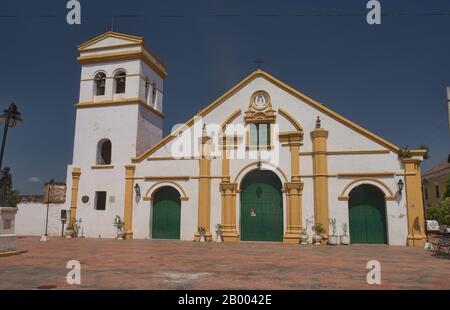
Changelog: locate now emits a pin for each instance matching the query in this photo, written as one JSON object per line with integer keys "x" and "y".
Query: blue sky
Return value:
{"x": 389, "y": 78}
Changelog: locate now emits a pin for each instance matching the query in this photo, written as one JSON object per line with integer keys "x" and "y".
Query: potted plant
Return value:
{"x": 319, "y": 230}
{"x": 70, "y": 229}
{"x": 202, "y": 233}
{"x": 333, "y": 238}
{"x": 304, "y": 235}
{"x": 345, "y": 239}
{"x": 219, "y": 233}
{"x": 119, "y": 225}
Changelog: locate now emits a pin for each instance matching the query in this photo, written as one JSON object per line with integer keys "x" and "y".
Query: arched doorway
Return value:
{"x": 261, "y": 207}
{"x": 367, "y": 215}
{"x": 166, "y": 215}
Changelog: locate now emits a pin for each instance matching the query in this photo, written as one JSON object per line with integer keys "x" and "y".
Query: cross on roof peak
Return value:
{"x": 259, "y": 63}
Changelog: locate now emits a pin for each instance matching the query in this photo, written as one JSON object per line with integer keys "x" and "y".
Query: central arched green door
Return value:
{"x": 367, "y": 215}
{"x": 166, "y": 214}
{"x": 261, "y": 207}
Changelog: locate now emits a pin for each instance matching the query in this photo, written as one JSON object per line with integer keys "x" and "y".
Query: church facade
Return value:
{"x": 263, "y": 161}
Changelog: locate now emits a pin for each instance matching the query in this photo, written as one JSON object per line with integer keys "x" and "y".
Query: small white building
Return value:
{"x": 263, "y": 160}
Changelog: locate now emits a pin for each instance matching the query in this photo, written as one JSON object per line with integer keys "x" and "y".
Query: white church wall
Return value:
{"x": 31, "y": 218}
{"x": 97, "y": 223}
{"x": 118, "y": 123}
{"x": 149, "y": 130}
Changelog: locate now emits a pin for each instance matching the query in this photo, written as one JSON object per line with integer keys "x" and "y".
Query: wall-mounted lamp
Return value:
{"x": 400, "y": 186}
{"x": 137, "y": 190}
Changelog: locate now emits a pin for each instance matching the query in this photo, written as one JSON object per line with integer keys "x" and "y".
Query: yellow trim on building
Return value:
{"x": 111, "y": 103}
{"x": 290, "y": 119}
{"x": 349, "y": 152}
{"x": 295, "y": 93}
{"x": 145, "y": 54}
{"x": 99, "y": 167}
{"x": 346, "y": 191}
{"x": 152, "y": 190}
{"x": 128, "y": 201}
{"x": 320, "y": 168}
{"x": 76, "y": 173}
{"x": 204, "y": 189}
{"x": 414, "y": 199}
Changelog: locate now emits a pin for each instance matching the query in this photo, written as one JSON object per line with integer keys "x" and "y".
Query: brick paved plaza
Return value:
{"x": 141, "y": 264}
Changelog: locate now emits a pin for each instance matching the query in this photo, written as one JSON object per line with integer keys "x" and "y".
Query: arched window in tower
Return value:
{"x": 120, "y": 82}
{"x": 147, "y": 91}
{"x": 104, "y": 152}
{"x": 154, "y": 95}
{"x": 100, "y": 84}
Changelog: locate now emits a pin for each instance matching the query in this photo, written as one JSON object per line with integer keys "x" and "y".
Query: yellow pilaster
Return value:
{"x": 204, "y": 189}
{"x": 76, "y": 172}
{"x": 128, "y": 203}
{"x": 416, "y": 222}
{"x": 229, "y": 231}
{"x": 320, "y": 170}
{"x": 293, "y": 189}
{"x": 294, "y": 211}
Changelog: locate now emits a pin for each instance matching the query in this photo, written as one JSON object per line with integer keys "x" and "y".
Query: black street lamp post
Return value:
{"x": 50, "y": 187}
{"x": 11, "y": 117}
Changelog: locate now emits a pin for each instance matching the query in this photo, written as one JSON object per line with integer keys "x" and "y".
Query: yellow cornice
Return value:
{"x": 109, "y": 103}
{"x": 366, "y": 174}
{"x": 110, "y": 34}
{"x": 290, "y": 118}
{"x": 349, "y": 152}
{"x": 111, "y": 47}
{"x": 102, "y": 167}
{"x": 144, "y": 55}
{"x": 290, "y": 90}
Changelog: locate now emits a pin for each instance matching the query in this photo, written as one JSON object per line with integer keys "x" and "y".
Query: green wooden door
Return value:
{"x": 261, "y": 207}
{"x": 166, "y": 214}
{"x": 367, "y": 215}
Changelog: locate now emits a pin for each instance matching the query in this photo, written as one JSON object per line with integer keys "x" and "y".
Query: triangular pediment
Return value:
{"x": 303, "y": 98}
{"x": 110, "y": 40}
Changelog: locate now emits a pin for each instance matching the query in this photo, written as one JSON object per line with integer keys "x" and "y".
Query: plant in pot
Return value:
{"x": 202, "y": 234}
{"x": 304, "y": 233}
{"x": 219, "y": 233}
{"x": 319, "y": 230}
{"x": 70, "y": 228}
{"x": 333, "y": 238}
{"x": 345, "y": 239}
{"x": 119, "y": 224}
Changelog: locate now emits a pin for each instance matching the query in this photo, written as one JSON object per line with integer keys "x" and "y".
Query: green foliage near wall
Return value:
{"x": 12, "y": 198}
{"x": 440, "y": 213}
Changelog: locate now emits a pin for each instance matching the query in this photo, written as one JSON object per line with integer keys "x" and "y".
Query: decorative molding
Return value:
{"x": 365, "y": 174}
{"x": 290, "y": 118}
{"x": 154, "y": 188}
{"x": 259, "y": 73}
{"x": 111, "y": 103}
{"x": 167, "y": 178}
{"x": 102, "y": 167}
{"x": 349, "y": 152}
{"x": 388, "y": 193}
{"x": 230, "y": 119}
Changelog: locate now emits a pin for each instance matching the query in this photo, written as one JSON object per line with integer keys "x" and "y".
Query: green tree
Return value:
{"x": 440, "y": 213}
{"x": 447, "y": 189}
{"x": 12, "y": 198}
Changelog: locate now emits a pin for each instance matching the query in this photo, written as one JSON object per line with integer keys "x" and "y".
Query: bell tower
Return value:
{"x": 120, "y": 108}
